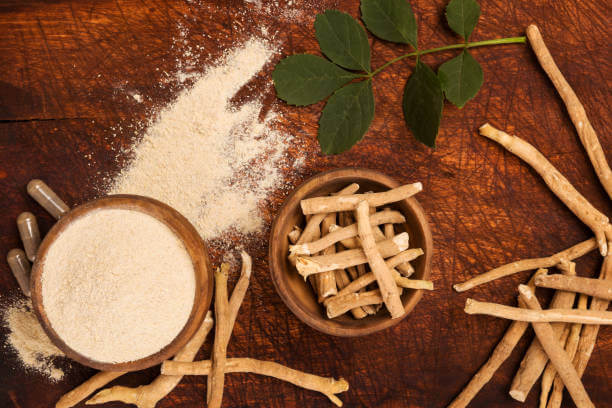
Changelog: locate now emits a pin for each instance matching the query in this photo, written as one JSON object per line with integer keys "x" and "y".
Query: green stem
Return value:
{"x": 497, "y": 41}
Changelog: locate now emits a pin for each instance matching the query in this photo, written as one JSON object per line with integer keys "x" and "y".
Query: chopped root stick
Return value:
{"x": 587, "y": 134}
{"x": 558, "y": 184}
{"x": 326, "y": 386}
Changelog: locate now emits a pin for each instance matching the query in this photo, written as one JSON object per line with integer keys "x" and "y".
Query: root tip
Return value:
{"x": 517, "y": 395}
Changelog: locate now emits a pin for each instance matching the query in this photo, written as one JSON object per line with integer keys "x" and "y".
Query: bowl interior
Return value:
{"x": 193, "y": 244}
{"x": 299, "y": 296}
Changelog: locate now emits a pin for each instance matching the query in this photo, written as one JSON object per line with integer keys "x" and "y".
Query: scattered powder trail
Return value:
{"x": 213, "y": 163}
{"x": 28, "y": 339}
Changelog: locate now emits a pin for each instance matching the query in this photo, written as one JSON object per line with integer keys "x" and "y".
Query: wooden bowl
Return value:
{"x": 184, "y": 231}
{"x": 299, "y": 296}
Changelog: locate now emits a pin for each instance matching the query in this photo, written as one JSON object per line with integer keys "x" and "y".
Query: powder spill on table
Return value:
{"x": 117, "y": 285}
{"x": 29, "y": 341}
{"x": 213, "y": 162}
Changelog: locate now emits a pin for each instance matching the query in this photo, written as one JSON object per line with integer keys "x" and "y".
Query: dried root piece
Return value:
{"x": 588, "y": 335}
{"x": 339, "y": 305}
{"x": 294, "y": 234}
{"x": 571, "y": 346}
{"x": 558, "y": 184}
{"x": 307, "y": 266}
{"x": 147, "y": 396}
{"x": 550, "y": 315}
{"x": 314, "y": 223}
{"x": 592, "y": 287}
{"x": 535, "y": 358}
{"x": 81, "y": 392}
{"x": 342, "y": 280}
{"x": 384, "y": 278}
{"x": 227, "y": 310}
{"x": 549, "y": 372}
{"x": 216, "y": 380}
{"x": 326, "y": 386}
{"x": 338, "y": 234}
{"x": 364, "y": 280}
{"x": 556, "y": 354}
{"x": 336, "y": 204}
{"x": 569, "y": 254}
{"x": 326, "y": 281}
{"x": 587, "y": 134}
{"x": 501, "y": 352}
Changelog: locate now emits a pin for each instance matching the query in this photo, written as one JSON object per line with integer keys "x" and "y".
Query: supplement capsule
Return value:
{"x": 29, "y": 233}
{"x": 47, "y": 198}
{"x": 20, "y": 267}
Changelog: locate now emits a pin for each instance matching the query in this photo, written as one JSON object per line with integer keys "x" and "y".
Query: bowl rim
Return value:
{"x": 321, "y": 323}
{"x": 181, "y": 227}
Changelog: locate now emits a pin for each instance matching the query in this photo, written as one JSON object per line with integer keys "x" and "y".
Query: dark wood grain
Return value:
{"x": 66, "y": 73}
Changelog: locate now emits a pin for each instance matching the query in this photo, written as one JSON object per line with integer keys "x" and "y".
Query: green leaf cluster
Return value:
{"x": 345, "y": 77}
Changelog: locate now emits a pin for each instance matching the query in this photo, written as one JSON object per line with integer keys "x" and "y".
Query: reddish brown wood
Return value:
{"x": 193, "y": 244}
{"x": 66, "y": 70}
{"x": 299, "y": 296}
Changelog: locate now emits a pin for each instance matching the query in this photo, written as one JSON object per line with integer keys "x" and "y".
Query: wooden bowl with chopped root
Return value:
{"x": 350, "y": 252}
{"x": 121, "y": 283}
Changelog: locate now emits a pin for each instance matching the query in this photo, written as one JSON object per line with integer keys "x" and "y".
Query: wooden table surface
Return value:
{"x": 68, "y": 68}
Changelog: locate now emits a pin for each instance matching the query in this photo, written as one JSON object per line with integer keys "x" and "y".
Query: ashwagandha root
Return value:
{"x": 365, "y": 280}
{"x": 571, "y": 346}
{"x": 550, "y": 315}
{"x": 214, "y": 390}
{"x": 344, "y": 233}
{"x": 326, "y": 386}
{"x": 535, "y": 358}
{"x": 569, "y": 254}
{"x": 549, "y": 373}
{"x": 588, "y": 335}
{"x": 228, "y": 311}
{"x": 342, "y": 280}
{"x": 294, "y": 234}
{"x": 585, "y": 130}
{"x": 147, "y": 396}
{"x": 404, "y": 268}
{"x": 339, "y": 305}
{"x": 313, "y": 225}
{"x": 81, "y": 392}
{"x": 401, "y": 282}
{"x": 326, "y": 281}
{"x": 349, "y": 203}
{"x": 558, "y": 184}
{"x": 384, "y": 278}
{"x": 593, "y": 287}
{"x": 556, "y": 353}
{"x": 500, "y": 354}
{"x": 307, "y": 266}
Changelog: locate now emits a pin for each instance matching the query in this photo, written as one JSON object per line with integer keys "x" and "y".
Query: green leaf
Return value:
{"x": 461, "y": 78}
{"x": 391, "y": 20}
{"x": 304, "y": 79}
{"x": 422, "y": 104}
{"x": 462, "y": 16}
{"x": 346, "y": 117}
{"x": 343, "y": 40}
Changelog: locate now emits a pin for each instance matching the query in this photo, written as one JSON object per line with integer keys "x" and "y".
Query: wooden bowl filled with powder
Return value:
{"x": 121, "y": 283}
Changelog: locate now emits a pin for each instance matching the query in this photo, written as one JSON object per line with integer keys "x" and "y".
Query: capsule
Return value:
{"x": 47, "y": 198}
{"x": 29, "y": 233}
{"x": 20, "y": 267}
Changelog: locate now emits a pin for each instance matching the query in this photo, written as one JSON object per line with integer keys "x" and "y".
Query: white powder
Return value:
{"x": 118, "y": 285}
{"x": 212, "y": 162}
{"x": 28, "y": 339}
